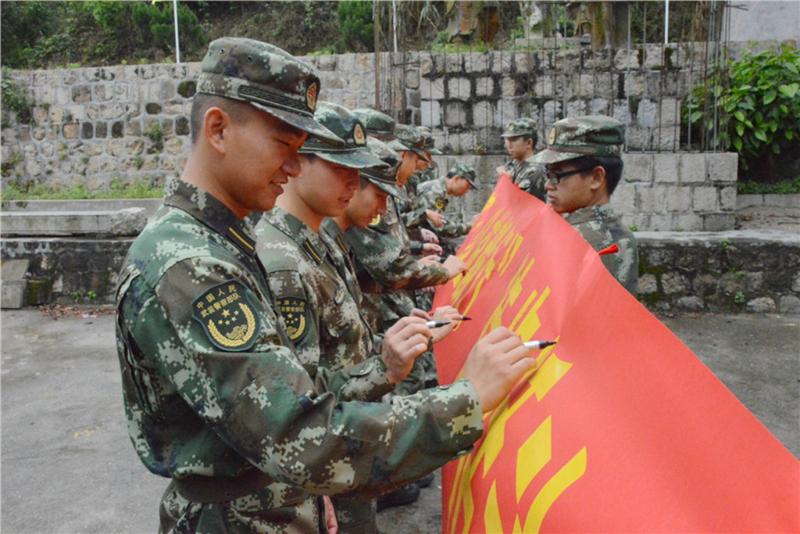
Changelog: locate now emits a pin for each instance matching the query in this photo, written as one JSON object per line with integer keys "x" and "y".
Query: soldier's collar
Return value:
{"x": 298, "y": 232}
{"x": 589, "y": 213}
{"x": 211, "y": 212}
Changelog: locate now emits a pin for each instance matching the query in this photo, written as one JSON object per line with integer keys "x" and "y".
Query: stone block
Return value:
{"x": 635, "y": 84}
{"x": 326, "y": 63}
{"x": 674, "y": 283}
{"x": 501, "y": 62}
{"x": 454, "y": 63}
{"x": 789, "y": 304}
{"x": 412, "y": 79}
{"x": 626, "y": 59}
{"x": 693, "y": 168}
{"x": 637, "y": 138}
{"x": 523, "y": 62}
{"x": 478, "y": 62}
{"x": 665, "y": 168}
{"x": 483, "y": 114}
{"x": 550, "y": 112}
{"x": 660, "y": 222}
{"x": 455, "y": 114}
{"x": 761, "y": 305}
{"x": 484, "y": 86}
{"x": 705, "y": 198}
{"x": 543, "y": 86}
{"x": 505, "y": 112}
{"x": 459, "y": 88}
{"x": 432, "y": 89}
{"x": 508, "y": 87}
{"x": 646, "y": 113}
{"x": 87, "y": 130}
{"x": 691, "y": 304}
{"x": 647, "y": 284}
{"x": 727, "y": 198}
{"x": 71, "y": 130}
{"x": 624, "y": 199}
{"x": 81, "y": 94}
{"x": 430, "y": 113}
{"x": 637, "y": 168}
{"x": 718, "y": 222}
{"x": 723, "y": 167}
{"x": 100, "y": 130}
{"x": 686, "y": 222}
{"x": 599, "y": 106}
{"x": 12, "y": 295}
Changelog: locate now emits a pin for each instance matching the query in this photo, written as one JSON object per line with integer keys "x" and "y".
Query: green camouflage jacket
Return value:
{"x": 601, "y": 227}
{"x": 320, "y": 314}
{"x": 217, "y": 400}
{"x": 433, "y": 196}
{"x": 528, "y": 176}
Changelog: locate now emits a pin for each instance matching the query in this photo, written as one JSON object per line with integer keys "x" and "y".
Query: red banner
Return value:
{"x": 620, "y": 428}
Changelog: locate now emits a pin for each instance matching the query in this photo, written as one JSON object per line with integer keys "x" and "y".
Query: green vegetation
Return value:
{"x": 137, "y": 189}
{"x": 739, "y": 298}
{"x": 355, "y": 25}
{"x": 781, "y": 187}
{"x": 759, "y": 96}
{"x": 14, "y": 99}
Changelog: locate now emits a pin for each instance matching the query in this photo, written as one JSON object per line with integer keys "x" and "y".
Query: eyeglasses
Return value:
{"x": 556, "y": 177}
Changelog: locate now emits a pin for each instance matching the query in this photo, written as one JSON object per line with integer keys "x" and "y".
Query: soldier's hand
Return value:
{"x": 330, "y": 516}
{"x": 454, "y": 266}
{"x": 445, "y": 313}
{"x": 433, "y": 258}
{"x": 406, "y": 340}
{"x": 495, "y": 364}
{"x": 428, "y": 236}
{"x": 436, "y": 218}
{"x": 431, "y": 248}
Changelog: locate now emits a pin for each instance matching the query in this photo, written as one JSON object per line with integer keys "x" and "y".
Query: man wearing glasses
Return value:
{"x": 583, "y": 169}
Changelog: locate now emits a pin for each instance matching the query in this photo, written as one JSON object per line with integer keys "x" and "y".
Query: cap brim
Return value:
{"x": 434, "y": 151}
{"x": 357, "y": 158}
{"x": 549, "y": 156}
{"x": 387, "y": 187}
{"x": 396, "y": 145}
{"x": 471, "y": 182}
{"x": 302, "y": 122}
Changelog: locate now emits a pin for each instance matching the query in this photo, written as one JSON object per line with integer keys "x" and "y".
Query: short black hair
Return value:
{"x": 612, "y": 165}
{"x": 202, "y": 102}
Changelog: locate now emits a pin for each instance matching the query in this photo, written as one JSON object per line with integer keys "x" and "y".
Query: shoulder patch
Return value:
{"x": 227, "y": 316}
{"x": 439, "y": 203}
{"x": 294, "y": 311}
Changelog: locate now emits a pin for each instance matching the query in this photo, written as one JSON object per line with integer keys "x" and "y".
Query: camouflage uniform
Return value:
{"x": 601, "y": 227}
{"x": 527, "y": 174}
{"x": 218, "y": 401}
{"x": 312, "y": 281}
{"x": 586, "y": 136}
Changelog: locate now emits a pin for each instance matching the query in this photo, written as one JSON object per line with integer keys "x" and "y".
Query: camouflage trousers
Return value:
{"x": 356, "y": 514}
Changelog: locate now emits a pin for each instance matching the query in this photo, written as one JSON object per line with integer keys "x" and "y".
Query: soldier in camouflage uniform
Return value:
{"x": 434, "y": 196}
{"x": 520, "y": 140}
{"x": 386, "y": 268}
{"x": 216, "y": 399}
{"x": 312, "y": 283}
{"x": 584, "y": 168}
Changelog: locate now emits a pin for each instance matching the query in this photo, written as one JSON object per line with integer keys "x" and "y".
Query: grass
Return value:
{"x": 137, "y": 189}
{"x": 782, "y": 187}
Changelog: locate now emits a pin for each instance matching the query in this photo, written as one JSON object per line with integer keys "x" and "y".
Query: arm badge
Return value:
{"x": 440, "y": 204}
{"x": 228, "y": 318}
{"x": 294, "y": 312}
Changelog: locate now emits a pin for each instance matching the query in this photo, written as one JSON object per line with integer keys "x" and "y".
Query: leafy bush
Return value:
{"x": 117, "y": 189}
{"x": 14, "y": 99}
{"x": 355, "y": 25}
{"x": 759, "y": 96}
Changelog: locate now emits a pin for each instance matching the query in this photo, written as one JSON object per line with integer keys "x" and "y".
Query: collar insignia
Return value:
{"x": 311, "y": 96}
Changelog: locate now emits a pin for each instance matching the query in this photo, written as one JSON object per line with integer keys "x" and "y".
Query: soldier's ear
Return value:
{"x": 598, "y": 179}
{"x": 215, "y": 126}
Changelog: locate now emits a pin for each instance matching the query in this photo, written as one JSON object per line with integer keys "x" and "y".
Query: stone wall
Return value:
{"x": 92, "y": 126}
{"x": 752, "y": 270}
{"x": 659, "y": 192}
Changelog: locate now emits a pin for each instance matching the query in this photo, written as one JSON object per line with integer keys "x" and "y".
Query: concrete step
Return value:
{"x": 13, "y": 274}
{"x": 124, "y": 222}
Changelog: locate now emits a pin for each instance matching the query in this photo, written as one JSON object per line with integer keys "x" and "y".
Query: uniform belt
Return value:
{"x": 202, "y": 489}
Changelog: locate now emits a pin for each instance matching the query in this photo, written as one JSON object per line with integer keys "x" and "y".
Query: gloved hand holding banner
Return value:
{"x": 621, "y": 428}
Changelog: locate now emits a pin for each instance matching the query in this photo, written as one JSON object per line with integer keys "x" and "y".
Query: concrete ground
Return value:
{"x": 67, "y": 464}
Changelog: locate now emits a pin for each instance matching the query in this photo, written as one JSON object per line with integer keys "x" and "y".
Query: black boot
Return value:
{"x": 425, "y": 481}
{"x": 399, "y": 497}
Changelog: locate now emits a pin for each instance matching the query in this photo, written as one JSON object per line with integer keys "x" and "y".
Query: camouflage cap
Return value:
{"x": 383, "y": 177}
{"x": 341, "y": 121}
{"x": 521, "y": 126}
{"x": 380, "y": 126}
{"x": 575, "y": 137}
{"x": 427, "y": 137}
{"x": 464, "y": 170}
{"x": 411, "y": 137}
{"x": 267, "y": 77}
